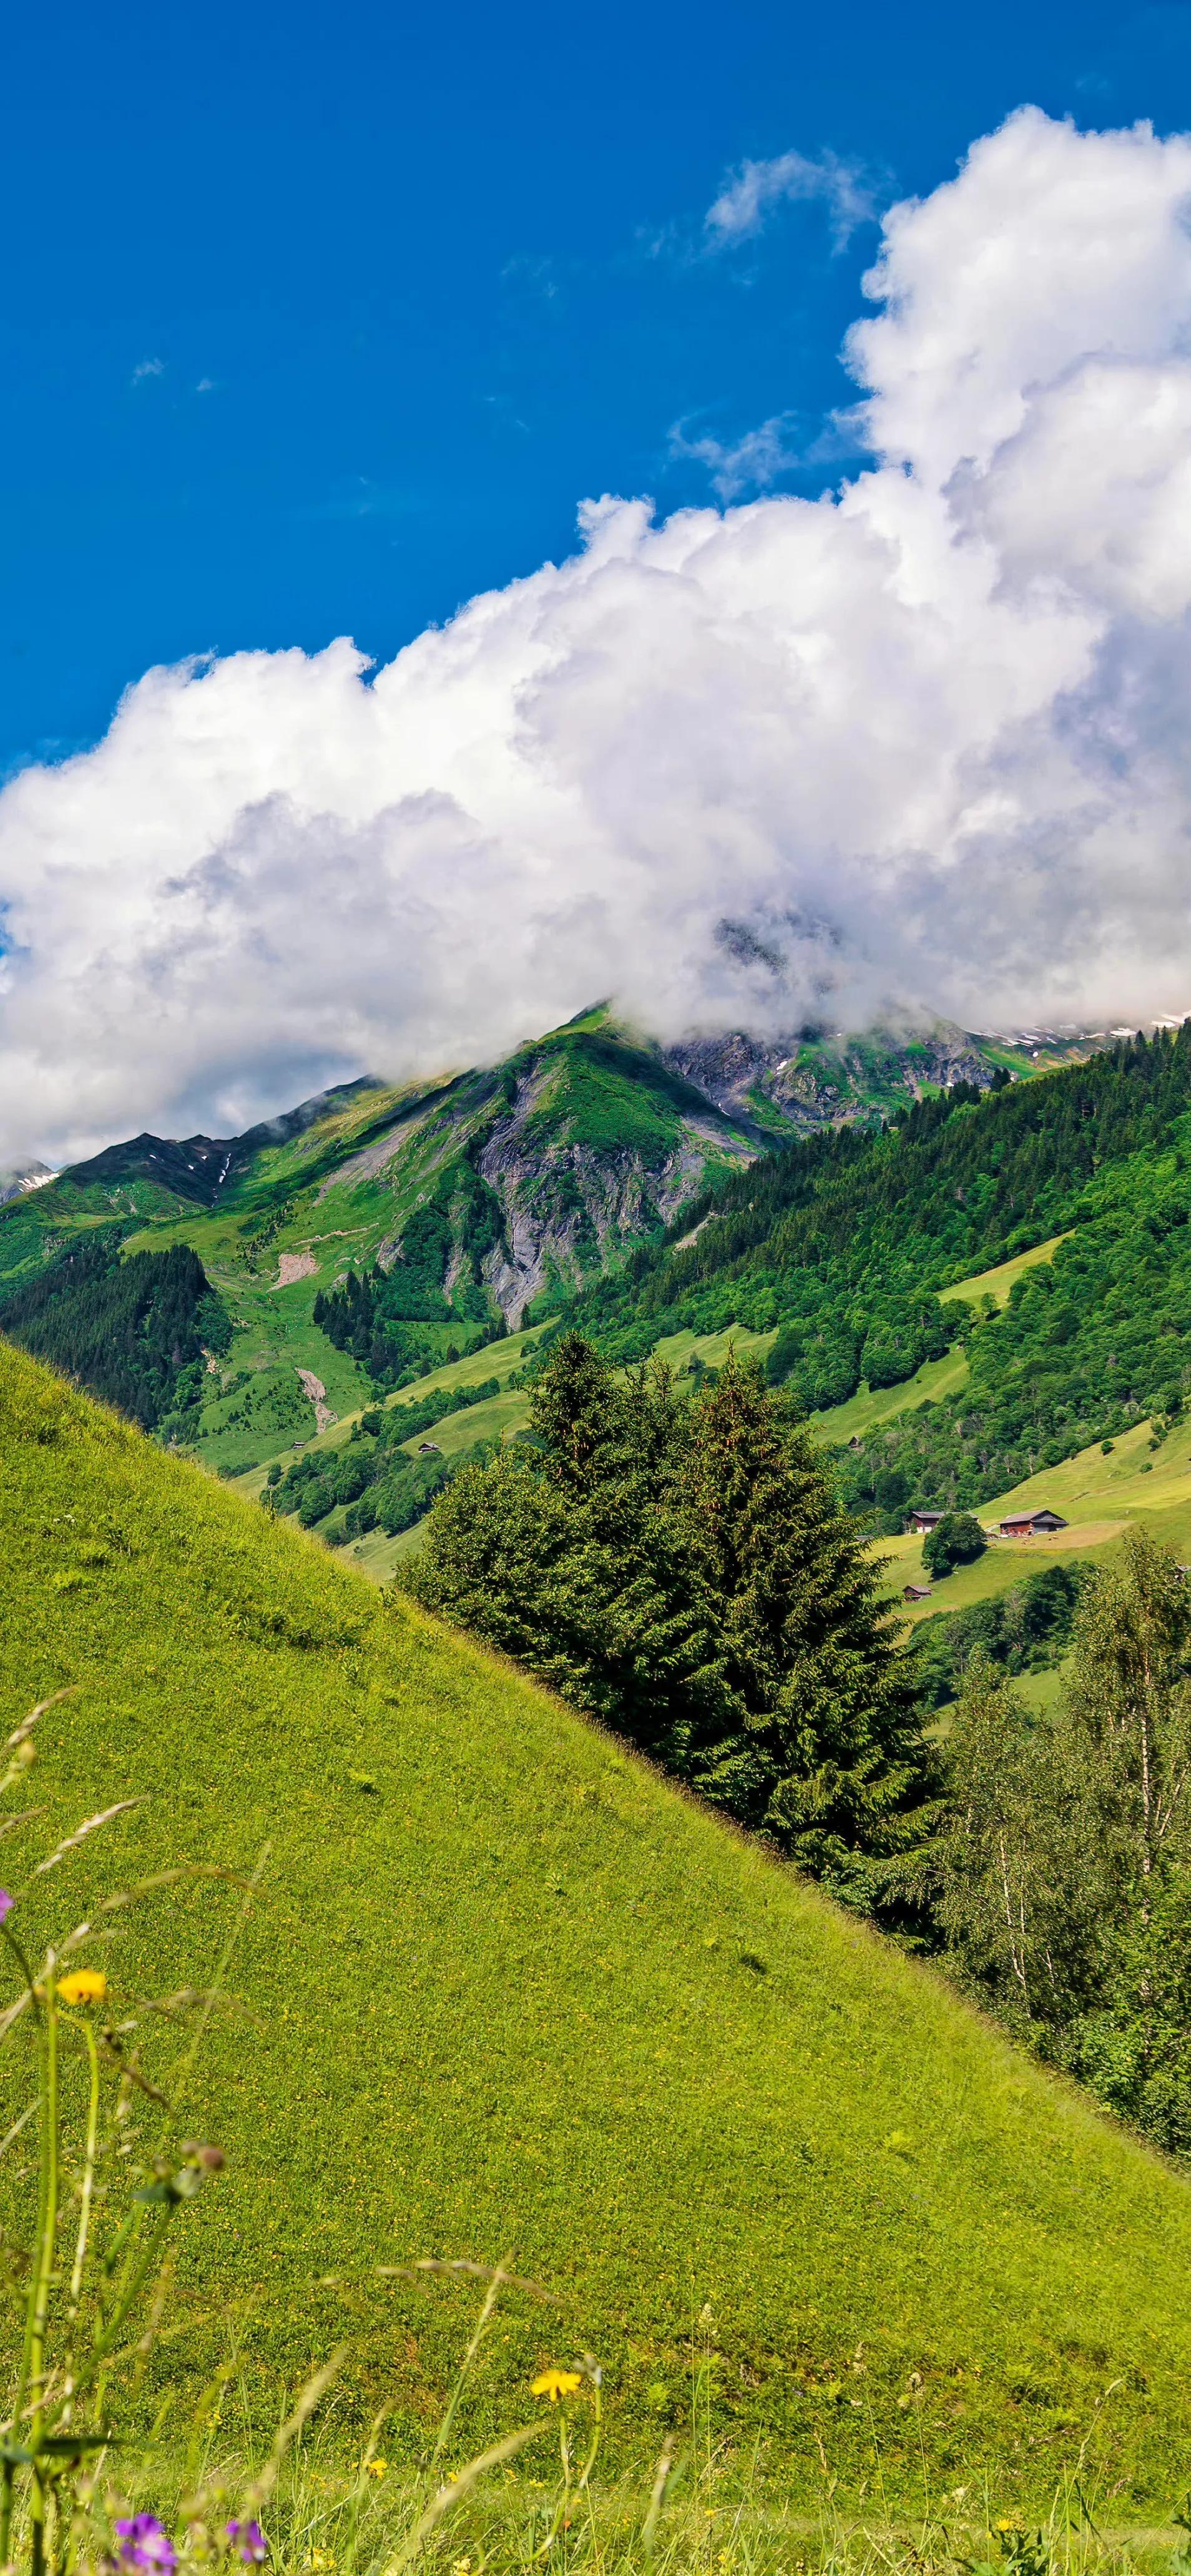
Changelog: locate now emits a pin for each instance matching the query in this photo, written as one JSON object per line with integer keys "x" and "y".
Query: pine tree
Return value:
{"x": 574, "y": 1414}
{"x": 837, "y": 1770}
{"x": 569, "y": 1555}
{"x": 680, "y": 1569}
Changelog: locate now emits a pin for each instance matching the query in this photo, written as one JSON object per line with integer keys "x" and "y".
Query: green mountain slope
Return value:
{"x": 507, "y": 1991}
{"x": 846, "y": 1240}
{"x": 372, "y": 1233}
{"x": 456, "y": 1204}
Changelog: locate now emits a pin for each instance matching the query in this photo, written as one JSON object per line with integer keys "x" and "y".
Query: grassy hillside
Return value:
{"x": 1140, "y": 1478}
{"x": 508, "y": 1992}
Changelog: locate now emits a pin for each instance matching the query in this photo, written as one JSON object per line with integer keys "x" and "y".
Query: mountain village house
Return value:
{"x": 1031, "y": 1524}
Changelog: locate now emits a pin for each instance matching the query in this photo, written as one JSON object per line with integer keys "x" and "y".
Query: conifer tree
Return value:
{"x": 832, "y": 1763}
{"x": 680, "y": 1568}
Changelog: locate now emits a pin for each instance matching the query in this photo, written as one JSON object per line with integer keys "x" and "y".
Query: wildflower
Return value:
{"x": 6, "y": 1903}
{"x": 145, "y": 2542}
{"x": 88, "y": 1986}
{"x": 377, "y": 2468}
{"x": 554, "y": 2384}
{"x": 461, "y": 2567}
{"x": 249, "y": 2542}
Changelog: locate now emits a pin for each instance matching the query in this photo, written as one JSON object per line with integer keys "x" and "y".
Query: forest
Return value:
{"x": 843, "y": 1240}
{"x": 379, "y": 1485}
{"x": 135, "y": 1332}
{"x": 1087, "y": 1345}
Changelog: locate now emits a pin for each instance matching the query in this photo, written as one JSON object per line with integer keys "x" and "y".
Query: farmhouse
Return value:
{"x": 916, "y": 1591}
{"x": 925, "y": 1520}
{"x": 1031, "y": 1524}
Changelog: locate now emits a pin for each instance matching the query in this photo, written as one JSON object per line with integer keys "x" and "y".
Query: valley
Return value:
{"x": 934, "y": 1291}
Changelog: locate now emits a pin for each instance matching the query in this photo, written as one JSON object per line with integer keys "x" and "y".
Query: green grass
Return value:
{"x": 996, "y": 1283}
{"x": 1098, "y": 1495}
{"x": 508, "y": 1992}
{"x": 864, "y": 1411}
{"x": 499, "y": 1360}
{"x": 713, "y": 1348}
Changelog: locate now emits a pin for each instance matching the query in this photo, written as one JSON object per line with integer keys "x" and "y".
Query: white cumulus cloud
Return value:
{"x": 922, "y": 742}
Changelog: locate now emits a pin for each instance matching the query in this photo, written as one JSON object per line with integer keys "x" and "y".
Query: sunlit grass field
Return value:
{"x": 1099, "y": 1494}
{"x": 507, "y": 1993}
{"x": 996, "y": 1283}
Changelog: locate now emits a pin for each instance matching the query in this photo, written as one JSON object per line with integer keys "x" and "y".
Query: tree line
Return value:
{"x": 371, "y": 1474}
{"x": 134, "y": 1332}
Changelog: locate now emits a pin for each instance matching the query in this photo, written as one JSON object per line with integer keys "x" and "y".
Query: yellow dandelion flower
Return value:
{"x": 83, "y": 1986}
{"x": 377, "y": 2468}
{"x": 557, "y": 2383}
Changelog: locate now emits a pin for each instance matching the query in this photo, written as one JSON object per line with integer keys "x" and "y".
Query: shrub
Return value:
{"x": 955, "y": 1540}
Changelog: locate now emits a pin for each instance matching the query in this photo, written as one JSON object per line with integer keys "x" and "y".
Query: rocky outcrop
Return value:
{"x": 808, "y": 1079}
{"x": 570, "y": 1209}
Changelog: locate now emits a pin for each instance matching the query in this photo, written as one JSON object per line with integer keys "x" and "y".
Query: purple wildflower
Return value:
{"x": 249, "y": 2542}
{"x": 145, "y": 2542}
{"x": 6, "y": 1903}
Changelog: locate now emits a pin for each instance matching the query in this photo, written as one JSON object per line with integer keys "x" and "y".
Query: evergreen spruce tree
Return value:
{"x": 680, "y": 1568}
{"x": 574, "y": 1413}
{"x": 831, "y": 1761}
{"x": 568, "y": 1554}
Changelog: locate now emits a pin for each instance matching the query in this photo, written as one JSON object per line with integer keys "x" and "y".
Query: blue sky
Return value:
{"x": 319, "y": 322}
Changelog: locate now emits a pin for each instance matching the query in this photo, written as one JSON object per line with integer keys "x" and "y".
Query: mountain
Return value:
{"x": 373, "y": 1235}
{"x": 506, "y": 1991}
{"x": 22, "y": 1177}
{"x": 460, "y": 1201}
{"x": 808, "y": 1080}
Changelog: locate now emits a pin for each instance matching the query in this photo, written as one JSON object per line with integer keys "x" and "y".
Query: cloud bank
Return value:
{"x": 924, "y": 742}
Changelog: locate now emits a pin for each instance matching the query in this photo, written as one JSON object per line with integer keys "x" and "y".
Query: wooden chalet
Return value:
{"x": 1031, "y": 1524}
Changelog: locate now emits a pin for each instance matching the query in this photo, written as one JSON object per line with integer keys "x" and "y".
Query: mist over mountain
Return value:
{"x": 917, "y": 746}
